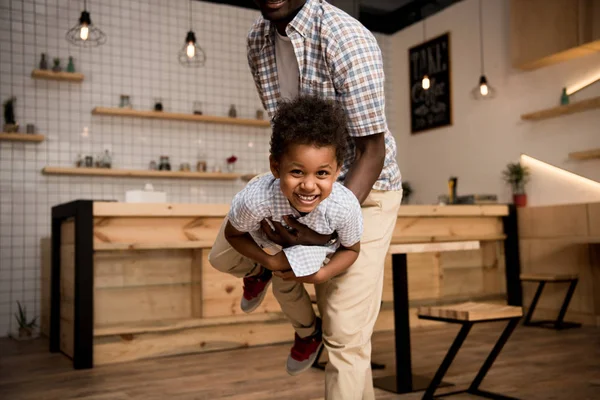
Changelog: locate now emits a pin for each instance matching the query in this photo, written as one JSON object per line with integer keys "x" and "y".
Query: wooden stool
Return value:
{"x": 321, "y": 364}
{"x": 542, "y": 279}
{"x": 468, "y": 314}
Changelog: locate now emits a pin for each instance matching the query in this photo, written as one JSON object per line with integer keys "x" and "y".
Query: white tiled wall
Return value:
{"x": 139, "y": 59}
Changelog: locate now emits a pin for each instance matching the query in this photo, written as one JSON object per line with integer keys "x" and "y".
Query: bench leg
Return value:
{"x": 474, "y": 387}
{"x": 559, "y": 323}
{"x": 443, "y": 368}
{"x": 534, "y": 302}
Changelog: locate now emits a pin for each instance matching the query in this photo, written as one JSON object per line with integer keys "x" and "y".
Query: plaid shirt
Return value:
{"x": 339, "y": 59}
{"x": 262, "y": 198}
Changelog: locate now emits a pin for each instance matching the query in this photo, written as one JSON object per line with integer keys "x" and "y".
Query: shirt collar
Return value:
{"x": 301, "y": 23}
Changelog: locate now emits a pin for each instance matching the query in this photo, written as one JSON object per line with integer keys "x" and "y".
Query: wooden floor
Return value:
{"x": 535, "y": 364}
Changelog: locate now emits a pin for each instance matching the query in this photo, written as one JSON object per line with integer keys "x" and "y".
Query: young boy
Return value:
{"x": 307, "y": 148}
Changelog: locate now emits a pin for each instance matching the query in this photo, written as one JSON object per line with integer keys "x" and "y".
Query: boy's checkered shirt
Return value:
{"x": 338, "y": 59}
{"x": 262, "y": 198}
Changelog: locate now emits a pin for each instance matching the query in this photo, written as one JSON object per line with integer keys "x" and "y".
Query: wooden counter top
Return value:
{"x": 113, "y": 209}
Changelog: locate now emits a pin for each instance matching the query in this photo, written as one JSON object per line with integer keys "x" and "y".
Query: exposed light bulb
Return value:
{"x": 191, "y": 50}
{"x": 425, "y": 83}
{"x": 84, "y": 33}
{"x": 483, "y": 89}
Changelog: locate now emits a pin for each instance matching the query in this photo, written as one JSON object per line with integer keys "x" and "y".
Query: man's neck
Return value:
{"x": 283, "y": 23}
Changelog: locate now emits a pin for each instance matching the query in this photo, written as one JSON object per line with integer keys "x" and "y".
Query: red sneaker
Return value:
{"x": 255, "y": 289}
{"x": 304, "y": 352}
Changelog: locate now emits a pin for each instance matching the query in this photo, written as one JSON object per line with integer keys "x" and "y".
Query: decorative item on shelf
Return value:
{"x": 25, "y": 327}
{"x": 125, "y": 101}
{"x": 56, "y": 67}
{"x": 260, "y": 114}
{"x": 483, "y": 91}
{"x": 158, "y": 104}
{"x": 70, "y": 65}
{"x": 564, "y": 97}
{"x": 198, "y": 107}
{"x": 43, "y": 62}
{"x": 232, "y": 111}
{"x": 231, "y": 163}
{"x": 80, "y": 161}
{"x": 185, "y": 167}
{"x": 153, "y": 166}
{"x": 89, "y": 161}
{"x": 165, "y": 164}
{"x": 191, "y": 54}
{"x": 10, "y": 123}
{"x": 517, "y": 176}
{"x": 106, "y": 161}
{"x": 85, "y": 34}
{"x": 452, "y": 183}
{"x": 201, "y": 166}
{"x": 30, "y": 128}
{"x": 406, "y": 192}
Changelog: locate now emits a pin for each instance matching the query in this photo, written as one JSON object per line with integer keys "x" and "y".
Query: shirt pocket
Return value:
{"x": 322, "y": 89}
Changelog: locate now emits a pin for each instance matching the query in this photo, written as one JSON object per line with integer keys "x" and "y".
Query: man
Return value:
{"x": 311, "y": 47}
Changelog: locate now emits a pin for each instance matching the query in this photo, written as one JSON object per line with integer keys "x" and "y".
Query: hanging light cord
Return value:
{"x": 481, "y": 37}
{"x": 190, "y": 15}
{"x": 84, "y": 5}
{"x": 424, "y": 34}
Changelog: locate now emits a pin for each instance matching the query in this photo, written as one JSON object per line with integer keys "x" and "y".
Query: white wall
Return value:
{"x": 487, "y": 135}
{"x": 139, "y": 59}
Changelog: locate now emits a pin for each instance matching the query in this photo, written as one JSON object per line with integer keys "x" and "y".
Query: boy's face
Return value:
{"x": 307, "y": 174}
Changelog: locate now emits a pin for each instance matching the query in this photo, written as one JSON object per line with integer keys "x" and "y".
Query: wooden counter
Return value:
{"x": 131, "y": 281}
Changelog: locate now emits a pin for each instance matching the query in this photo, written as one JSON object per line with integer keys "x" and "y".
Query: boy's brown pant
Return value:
{"x": 349, "y": 303}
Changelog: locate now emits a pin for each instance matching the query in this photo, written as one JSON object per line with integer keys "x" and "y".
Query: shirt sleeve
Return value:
{"x": 350, "y": 228}
{"x": 242, "y": 213}
{"x": 359, "y": 83}
{"x": 306, "y": 260}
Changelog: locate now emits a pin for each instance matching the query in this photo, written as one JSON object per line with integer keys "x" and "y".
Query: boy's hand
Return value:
{"x": 318, "y": 277}
{"x": 300, "y": 234}
{"x": 278, "y": 262}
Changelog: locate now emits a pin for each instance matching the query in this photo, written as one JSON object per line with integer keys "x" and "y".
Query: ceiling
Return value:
{"x": 383, "y": 16}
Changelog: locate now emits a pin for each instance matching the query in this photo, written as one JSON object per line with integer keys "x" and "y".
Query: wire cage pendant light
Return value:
{"x": 85, "y": 34}
{"x": 483, "y": 91}
{"x": 191, "y": 54}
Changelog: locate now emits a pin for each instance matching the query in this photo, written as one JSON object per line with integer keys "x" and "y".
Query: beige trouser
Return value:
{"x": 349, "y": 303}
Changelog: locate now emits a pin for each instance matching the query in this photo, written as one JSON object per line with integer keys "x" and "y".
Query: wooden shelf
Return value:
{"x": 50, "y": 75}
{"x": 579, "y": 106}
{"x": 128, "y": 112}
{"x": 192, "y": 244}
{"x": 21, "y": 137}
{"x": 133, "y": 173}
{"x": 585, "y": 155}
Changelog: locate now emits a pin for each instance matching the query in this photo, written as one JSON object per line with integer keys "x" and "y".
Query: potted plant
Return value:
{"x": 10, "y": 124}
{"x": 517, "y": 176}
{"x": 25, "y": 327}
{"x": 406, "y": 192}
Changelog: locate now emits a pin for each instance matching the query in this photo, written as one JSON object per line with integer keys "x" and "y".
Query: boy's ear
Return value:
{"x": 274, "y": 167}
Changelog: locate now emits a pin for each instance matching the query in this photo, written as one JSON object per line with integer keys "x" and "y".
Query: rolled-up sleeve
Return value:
{"x": 359, "y": 82}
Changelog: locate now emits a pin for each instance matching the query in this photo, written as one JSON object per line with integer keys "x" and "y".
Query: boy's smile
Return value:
{"x": 306, "y": 174}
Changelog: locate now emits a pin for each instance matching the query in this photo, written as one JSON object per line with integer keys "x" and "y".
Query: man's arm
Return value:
{"x": 367, "y": 166}
{"x": 246, "y": 246}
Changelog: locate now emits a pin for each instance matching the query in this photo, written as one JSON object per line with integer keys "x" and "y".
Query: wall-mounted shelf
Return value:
{"x": 21, "y": 137}
{"x": 128, "y": 112}
{"x": 585, "y": 155}
{"x": 56, "y": 76}
{"x": 579, "y": 106}
{"x": 133, "y": 173}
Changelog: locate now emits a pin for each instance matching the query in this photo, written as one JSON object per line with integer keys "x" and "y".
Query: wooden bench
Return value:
{"x": 468, "y": 314}
{"x": 542, "y": 279}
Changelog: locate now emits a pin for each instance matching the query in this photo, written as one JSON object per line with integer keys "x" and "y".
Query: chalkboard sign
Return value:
{"x": 431, "y": 108}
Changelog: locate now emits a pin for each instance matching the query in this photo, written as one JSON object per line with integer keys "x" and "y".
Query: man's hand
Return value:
{"x": 278, "y": 262}
{"x": 299, "y": 234}
{"x": 318, "y": 277}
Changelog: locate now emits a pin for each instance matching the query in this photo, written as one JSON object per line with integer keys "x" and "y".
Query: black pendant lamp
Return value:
{"x": 85, "y": 34}
{"x": 191, "y": 54}
{"x": 483, "y": 91}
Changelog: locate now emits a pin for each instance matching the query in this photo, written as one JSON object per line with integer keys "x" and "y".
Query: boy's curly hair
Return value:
{"x": 309, "y": 120}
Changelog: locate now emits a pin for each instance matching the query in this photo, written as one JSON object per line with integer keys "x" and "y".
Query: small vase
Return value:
{"x": 564, "y": 98}
{"x": 70, "y": 65}
{"x": 43, "y": 62}
{"x": 520, "y": 200}
{"x": 230, "y": 167}
{"x": 232, "y": 112}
